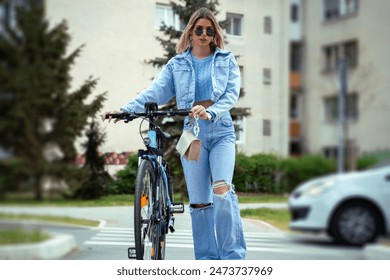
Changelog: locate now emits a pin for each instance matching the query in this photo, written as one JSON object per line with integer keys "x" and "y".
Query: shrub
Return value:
{"x": 256, "y": 173}
{"x": 366, "y": 161}
{"x": 265, "y": 173}
{"x": 125, "y": 182}
{"x": 297, "y": 170}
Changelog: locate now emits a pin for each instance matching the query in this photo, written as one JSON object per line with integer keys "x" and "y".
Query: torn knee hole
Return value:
{"x": 221, "y": 187}
{"x": 200, "y": 205}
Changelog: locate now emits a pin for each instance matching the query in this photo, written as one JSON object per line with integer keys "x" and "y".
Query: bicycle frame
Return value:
{"x": 160, "y": 211}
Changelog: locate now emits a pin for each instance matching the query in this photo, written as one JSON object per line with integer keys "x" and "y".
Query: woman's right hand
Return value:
{"x": 104, "y": 116}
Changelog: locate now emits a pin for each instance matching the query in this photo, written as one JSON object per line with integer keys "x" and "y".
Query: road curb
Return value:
{"x": 378, "y": 251}
{"x": 55, "y": 248}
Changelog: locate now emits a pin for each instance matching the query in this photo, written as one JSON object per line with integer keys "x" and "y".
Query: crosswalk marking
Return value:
{"x": 257, "y": 242}
{"x": 114, "y": 236}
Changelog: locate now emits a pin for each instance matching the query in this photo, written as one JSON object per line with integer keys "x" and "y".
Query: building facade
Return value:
{"x": 355, "y": 31}
{"x": 119, "y": 36}
{"x": 288, "y": 52}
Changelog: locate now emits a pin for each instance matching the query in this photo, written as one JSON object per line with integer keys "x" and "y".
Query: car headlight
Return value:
{"x": 318, "y": 188}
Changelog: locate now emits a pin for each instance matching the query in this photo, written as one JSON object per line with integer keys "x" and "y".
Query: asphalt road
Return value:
{"x": 114, "y": 235}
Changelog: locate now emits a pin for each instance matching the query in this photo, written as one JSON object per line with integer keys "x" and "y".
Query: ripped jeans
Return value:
{"x": 215, "y": 215}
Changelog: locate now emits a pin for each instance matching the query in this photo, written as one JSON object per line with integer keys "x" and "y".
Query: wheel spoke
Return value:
{"x": 357, "y": 225}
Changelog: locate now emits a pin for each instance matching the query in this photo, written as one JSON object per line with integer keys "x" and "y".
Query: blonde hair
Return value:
{"x": 185, "y": 42}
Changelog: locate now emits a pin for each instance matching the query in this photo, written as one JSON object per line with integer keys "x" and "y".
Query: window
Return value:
{"x": 334, "y": 9}
{"x": 267, "y": 25}
{"x": 351, "y": 53}
{"x": 234, "y": 24}
{"x": 333, "y": 53}
{"x": 8, "y": 11}
{"x": 331, "y": 152}
{"x": 332, "y": 107}
{"x": 294, "y": 13}
{"x": 266, "y": 76}
{"x": 239, "y": 129}
{"x": 165, "y": 14}
{"x": 295, "y": 148}
{"x": 295, "y": 57}
{"x": 267, "y": 127}
{"x": 293, "y": 106}
{"x": 331, "y": 57}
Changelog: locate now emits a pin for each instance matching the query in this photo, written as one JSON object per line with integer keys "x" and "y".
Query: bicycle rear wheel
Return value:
{"x": 146, "y": 231}
{"x": 163, "y": 218}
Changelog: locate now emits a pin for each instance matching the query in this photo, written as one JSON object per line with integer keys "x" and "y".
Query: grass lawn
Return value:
{"x": 48, "y": 218}
{"x": 20, "y": 236}
{"x": 279, "y": 218}
{"x": 110, "y": 200}
{"x": 261, "y": 198}
{"x": 122, "y": 200}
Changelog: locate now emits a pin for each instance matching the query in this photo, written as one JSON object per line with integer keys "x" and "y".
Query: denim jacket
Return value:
{"x": 177, "y": 79}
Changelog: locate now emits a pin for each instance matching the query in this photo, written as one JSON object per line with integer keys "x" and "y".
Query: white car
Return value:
{"x": 353, "y": 208}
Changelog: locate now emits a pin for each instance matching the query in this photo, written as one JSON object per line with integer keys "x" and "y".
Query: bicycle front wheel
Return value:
{"x": 145, "y": 228}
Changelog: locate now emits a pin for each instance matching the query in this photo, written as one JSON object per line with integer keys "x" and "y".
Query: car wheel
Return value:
{"x": 355, "y": 223}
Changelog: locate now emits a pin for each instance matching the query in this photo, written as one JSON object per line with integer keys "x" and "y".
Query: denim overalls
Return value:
{"x": 217, "y": 228}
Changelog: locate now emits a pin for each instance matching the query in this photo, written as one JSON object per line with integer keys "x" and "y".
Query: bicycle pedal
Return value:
{"x": 131, "y": 253}
{"x": 171, "y": 225}
{"x": 177, "y": 207}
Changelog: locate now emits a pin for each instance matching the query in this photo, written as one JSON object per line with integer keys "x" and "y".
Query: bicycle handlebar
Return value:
{"x": 133, "y": 115}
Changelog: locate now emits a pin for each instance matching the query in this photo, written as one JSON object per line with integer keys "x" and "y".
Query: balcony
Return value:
{"x": 295, "y": 80}
{"x": 295, "y": 129}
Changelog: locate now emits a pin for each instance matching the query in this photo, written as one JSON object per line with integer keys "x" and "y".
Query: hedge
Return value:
{"x": 258, "y": 173}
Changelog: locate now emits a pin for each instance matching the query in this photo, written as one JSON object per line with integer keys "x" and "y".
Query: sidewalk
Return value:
{"x": 55, "y": 248}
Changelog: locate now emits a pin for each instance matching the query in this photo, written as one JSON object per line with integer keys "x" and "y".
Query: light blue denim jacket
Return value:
{"x": 177, "y": 79}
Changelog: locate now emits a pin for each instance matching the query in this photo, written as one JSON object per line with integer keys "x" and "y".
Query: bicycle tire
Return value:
{"x": 164, "y": 217}
{"x": 146, "y": 233}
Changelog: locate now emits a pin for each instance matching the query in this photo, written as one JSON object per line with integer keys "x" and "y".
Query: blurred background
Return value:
{"x": 314, "y": 101}
{"x": 314, "y": 86}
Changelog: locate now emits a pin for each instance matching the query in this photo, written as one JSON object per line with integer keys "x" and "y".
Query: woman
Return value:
{"x": 206, "y": 79}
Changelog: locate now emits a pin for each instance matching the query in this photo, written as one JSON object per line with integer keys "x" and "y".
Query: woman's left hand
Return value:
{"x": 199, "y": 111}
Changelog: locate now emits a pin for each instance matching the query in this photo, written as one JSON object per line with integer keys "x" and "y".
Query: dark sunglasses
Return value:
{"x": 209, "y": 31}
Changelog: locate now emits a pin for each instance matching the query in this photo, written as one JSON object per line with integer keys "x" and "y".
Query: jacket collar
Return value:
{"x": 187, "y": 53}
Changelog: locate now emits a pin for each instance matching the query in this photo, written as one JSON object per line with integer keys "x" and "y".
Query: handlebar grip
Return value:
{"x": 123, "y": 116}
{"x": 115, "y": 115}
{"x": 182, "y": 112}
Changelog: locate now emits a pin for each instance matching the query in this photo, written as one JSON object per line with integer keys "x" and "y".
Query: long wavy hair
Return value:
{"x": 185, "y": 41}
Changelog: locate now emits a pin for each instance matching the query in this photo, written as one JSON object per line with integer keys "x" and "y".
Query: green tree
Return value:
{"x": 170, "y": 36}
{"x": 98, "y": 183}
{"x": 41, "y": 116}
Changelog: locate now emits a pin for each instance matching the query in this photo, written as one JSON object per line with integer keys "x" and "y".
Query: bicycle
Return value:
{"x": 153, "y": 197}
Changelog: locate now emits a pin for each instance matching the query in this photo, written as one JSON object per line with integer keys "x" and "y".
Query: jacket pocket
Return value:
{"x": 181, "y": 76}
{"x": 221, "y": 74}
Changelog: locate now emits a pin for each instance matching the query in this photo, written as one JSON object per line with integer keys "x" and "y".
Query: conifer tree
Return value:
{"x": 41, "y": 116}
{"x": 99, "y": 179}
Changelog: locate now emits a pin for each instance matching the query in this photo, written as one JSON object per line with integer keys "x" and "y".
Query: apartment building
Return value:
{"x": 119, "y": 36}
{"x": 288, "y": 52}
{"x": 357, "y": 31}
